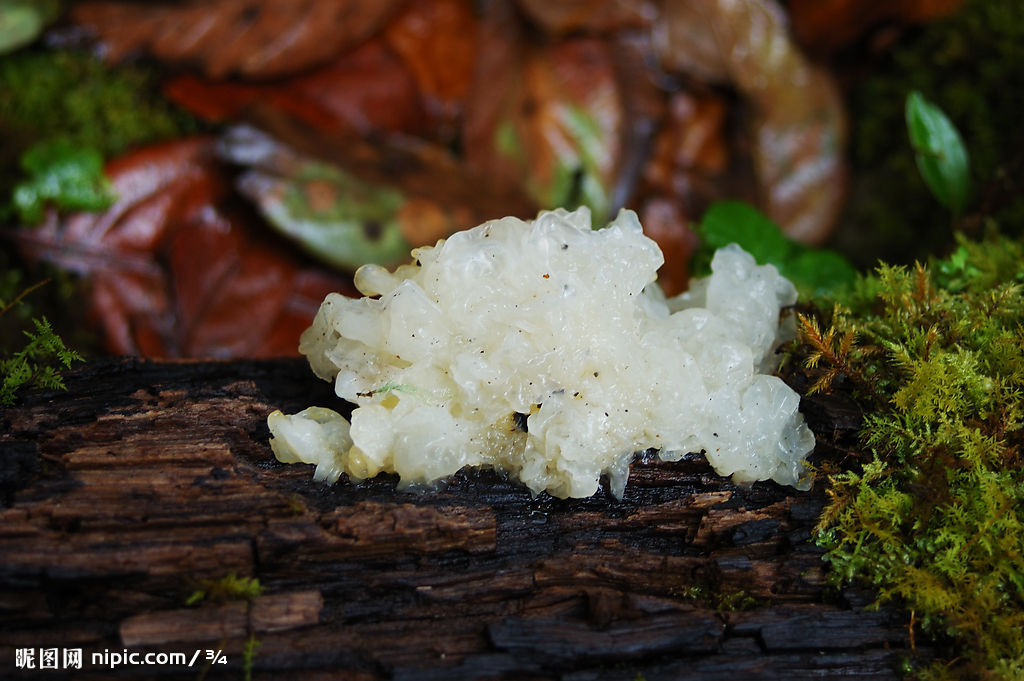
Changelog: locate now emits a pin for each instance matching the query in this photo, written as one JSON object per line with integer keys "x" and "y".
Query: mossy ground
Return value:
{"x": 932, "y": 516}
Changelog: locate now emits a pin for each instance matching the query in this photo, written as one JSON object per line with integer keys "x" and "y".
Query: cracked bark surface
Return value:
{"x": 120, "y": 496}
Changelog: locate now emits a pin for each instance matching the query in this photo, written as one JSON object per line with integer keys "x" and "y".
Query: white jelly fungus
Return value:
{"x": 543, "y": 348}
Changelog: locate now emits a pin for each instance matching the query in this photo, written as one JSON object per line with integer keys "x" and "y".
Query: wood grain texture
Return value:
{"x": 120, "y": 496}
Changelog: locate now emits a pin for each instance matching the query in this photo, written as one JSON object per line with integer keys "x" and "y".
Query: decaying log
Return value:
{"x": 122, "y": 495}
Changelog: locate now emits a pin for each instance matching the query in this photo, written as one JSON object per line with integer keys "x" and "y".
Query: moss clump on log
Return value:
{"x": 932, "y": 515}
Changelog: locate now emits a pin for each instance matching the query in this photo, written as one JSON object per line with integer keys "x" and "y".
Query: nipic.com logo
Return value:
{"x": 72, "y": 658}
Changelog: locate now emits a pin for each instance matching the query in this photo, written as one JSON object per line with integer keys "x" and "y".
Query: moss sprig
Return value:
{"x": 933, "y": 517}
{"x": 38, "y": 364}
{"x": 230, "y": 587}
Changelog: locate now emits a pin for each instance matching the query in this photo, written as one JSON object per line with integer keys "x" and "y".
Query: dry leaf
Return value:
{"x": 421, "y": 171}
{"x": 691, "y": 154}
{"x": 666, "y": 223}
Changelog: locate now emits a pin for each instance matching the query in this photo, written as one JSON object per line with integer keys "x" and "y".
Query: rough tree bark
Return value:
{"x": 122, "y": 495}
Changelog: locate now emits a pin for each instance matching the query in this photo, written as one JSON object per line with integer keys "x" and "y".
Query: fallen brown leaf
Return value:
{"x": 824, "y": 27}
{"x": 172, "y": 270}
{"x": 249, "y": 38}
{"x": 365, "y": 91}
{"x": 436, "y": 39}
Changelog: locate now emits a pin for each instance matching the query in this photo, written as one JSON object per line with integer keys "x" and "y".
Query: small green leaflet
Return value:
{"x": 21, "y": 21}
{"x": 68, "y": 176}
{"x": 940, "y": 153}
{"x": 814, "y": 272}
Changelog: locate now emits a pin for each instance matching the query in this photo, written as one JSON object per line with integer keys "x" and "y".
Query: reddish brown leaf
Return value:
{"x": 364, "y": 91}
{"x": 250, "y": 38}
{"x": 665, "y": 222}
{"x": 548, "y": 118}
{"x": 569, "y": 16}
{"x": 171, "y": 272}
{"x": 248, "y": 287}
{"x": 496, "y": 75}
{"x": 691, "y": 154}
{"x": 423, "y": 172}
{"x": 825, "y": 27}
{"x": 437, "y": 41}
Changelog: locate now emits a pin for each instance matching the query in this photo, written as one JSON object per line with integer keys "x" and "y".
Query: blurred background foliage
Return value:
{"x": 421, "y": 117}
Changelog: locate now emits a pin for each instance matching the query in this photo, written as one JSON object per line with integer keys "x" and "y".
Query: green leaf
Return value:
{"x": 818, "y": 272}
{"x": 506, "y": 140}
{"x": 814, "y": 272}
{"x": 727, "y": 222}
{"x": 21, "y": 21}
{"x": 940, "y": 153}
{"x": 68, "y": 176}
{"x": 332, "y": 214}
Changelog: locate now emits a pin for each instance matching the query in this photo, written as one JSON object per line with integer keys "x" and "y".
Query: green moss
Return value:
{"x": 972, "y": 66}
{"x": 46, "y": 94}
{"x": 231, "y": 587}
{"x": 720, "y": 601}
{"x": 39, "y": 362}
{"x": 934, "y": 517}
{"x": 71, "y": 98}
{"x": 249, "y": 648}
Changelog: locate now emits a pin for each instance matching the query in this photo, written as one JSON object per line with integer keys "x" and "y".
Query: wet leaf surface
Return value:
{"x": 251, "y": 38}
{"x": 392, "y": 124}
{"x": 570, "y": 16}
{"x": 557, "y": 127}
{"x": 173, "y": 269}
{"x": 368, "y": 90}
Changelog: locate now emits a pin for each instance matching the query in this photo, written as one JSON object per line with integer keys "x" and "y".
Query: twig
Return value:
{"x": 24, "y": 293}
